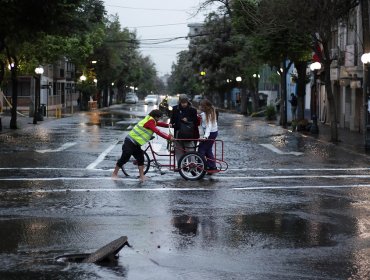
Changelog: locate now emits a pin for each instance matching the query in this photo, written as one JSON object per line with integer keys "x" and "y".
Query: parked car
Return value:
{"x": 151, "y": 99}
{"x": 131, "y": 98}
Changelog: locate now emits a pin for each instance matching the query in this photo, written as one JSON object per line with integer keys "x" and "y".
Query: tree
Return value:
{"x": 119, "y": 61}
{"x": 318, "y": 20}
{"x": 219, "y": 52}
{"x": 275, "y": 41}
{"x": 24, "y": 22}
{"x": 184, "y": 79}
{"x": 226, "y": 50}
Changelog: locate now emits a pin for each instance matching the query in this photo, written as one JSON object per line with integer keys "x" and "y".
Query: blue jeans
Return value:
{"x": 205, "y": 150}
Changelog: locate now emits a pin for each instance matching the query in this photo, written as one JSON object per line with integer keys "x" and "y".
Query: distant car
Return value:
{"x": 151, "y": 99}
{"x": 172, "y": 101}
{"x": 131, "y": 98}
{"x": 196, "y": 99}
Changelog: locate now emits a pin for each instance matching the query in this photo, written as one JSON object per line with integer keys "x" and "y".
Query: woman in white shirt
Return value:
{"x": 209, "y": 125}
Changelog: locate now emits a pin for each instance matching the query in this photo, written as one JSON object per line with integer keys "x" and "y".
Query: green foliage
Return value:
{"x": 184, "y": 79}
{"x": 270, "y": 112}
{"x": 33, "y": 32}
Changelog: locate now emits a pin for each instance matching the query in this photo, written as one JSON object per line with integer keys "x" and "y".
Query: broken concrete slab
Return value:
{"x": 107, "y": 252}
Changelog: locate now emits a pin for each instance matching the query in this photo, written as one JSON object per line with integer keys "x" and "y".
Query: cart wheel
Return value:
{"x": 192, "y": 166}
{"x": 130, "y": 168}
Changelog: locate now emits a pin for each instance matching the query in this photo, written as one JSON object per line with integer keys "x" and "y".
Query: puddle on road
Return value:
{"x": 112, "y": 120}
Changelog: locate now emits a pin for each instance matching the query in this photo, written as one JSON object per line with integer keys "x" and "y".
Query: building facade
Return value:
{"x": 58, "y": 93}
{"x": 347, "y": 73}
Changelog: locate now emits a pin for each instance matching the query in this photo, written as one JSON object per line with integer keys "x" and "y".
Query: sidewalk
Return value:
{"x": 351, "y": 140}
{"x": 22, "y": 122}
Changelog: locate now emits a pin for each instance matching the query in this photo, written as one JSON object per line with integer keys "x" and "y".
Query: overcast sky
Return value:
{"x": 157, "y": 19}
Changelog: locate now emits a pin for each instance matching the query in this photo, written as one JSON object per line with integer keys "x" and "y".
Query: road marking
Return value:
{"x": 62, "y": 148}
{"x": 229, "y": 169}
{"x": 188, "y": 189}
{"x": 280, "y": 152}
{"x": 224, "y": 178}
{"x": 299, "y": 169}
{"x": 102, "y": 156}
{"x": 67, "y": 179}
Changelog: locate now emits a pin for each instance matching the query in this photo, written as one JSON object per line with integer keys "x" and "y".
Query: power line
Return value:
{"x": 146, "y": 9}
{"x": 143, "y": 26}
{"x": 168, "y": 47}
{"x": 156, "y": 41}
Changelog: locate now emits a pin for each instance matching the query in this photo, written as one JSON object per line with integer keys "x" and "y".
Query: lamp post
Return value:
{"x": 314, "y": 67}
{"x": 203, "y": 74}
{"x": 83, "y": 94}
{"x": 257, "y": 77}
{"x": 39, "y": 71}
{"x": 238, "y": 97}
{"x": 365, "y": 58}
{"x": 227, "y": 95}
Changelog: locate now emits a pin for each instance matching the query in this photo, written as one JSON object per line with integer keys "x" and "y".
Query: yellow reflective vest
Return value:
{"x": 141, "y": 134}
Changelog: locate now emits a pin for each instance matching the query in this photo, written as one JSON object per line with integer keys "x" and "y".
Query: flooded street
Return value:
{"x": 288, "y": 207}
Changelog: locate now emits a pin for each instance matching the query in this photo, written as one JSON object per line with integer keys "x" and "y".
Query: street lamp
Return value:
{"x": 314, "y": 67}
{"x": 365, "y": 58}
{"x": 83, "y": 78}
{"x": 39, "y": 71}
{"x": 226, "y": 95}
{"x": 203, "y": 74}
{"x": 257, "y": 77}
{"x": 238, "y": 98}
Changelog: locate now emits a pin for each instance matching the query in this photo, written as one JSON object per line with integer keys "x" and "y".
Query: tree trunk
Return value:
{"x": 365, "y": 25}
{"x": 105, "y": 96}
{"x": 283, "y": 98}
{"x": 332, "y": 104}
{"x": 243, "y": 102}
{"x": 301, "y": 88}
{"x": 254, "y": 101}
{"x": 366, "y": 49}
{"x": 13, "y": 119}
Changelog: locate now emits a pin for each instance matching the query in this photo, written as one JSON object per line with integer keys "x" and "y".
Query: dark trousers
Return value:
{"x": 131, "y": 149}
{"x": 205, "y": 150}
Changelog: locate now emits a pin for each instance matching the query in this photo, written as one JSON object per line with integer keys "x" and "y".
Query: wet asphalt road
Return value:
{"x": 288, "y": 207}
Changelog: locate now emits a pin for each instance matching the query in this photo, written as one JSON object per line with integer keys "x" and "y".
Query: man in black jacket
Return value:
{"x": 184, "y": 120}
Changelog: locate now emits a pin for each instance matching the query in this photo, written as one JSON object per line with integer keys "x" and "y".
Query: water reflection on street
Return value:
{"x": 245, "y": 224}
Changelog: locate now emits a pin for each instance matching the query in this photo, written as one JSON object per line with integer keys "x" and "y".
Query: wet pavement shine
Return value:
{"x": 288, "y": 207}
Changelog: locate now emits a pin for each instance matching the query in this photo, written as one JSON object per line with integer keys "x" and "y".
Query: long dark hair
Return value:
{"x": 210, "y": 111}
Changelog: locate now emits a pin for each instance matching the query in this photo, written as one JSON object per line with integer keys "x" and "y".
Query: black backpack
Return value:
{"x": 186, "y": 130}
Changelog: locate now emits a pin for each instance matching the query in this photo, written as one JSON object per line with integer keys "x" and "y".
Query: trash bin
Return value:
{"x": 43, "y": 109}
{"x": 40, "y": 116}
{"x": 31, "y": 110}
